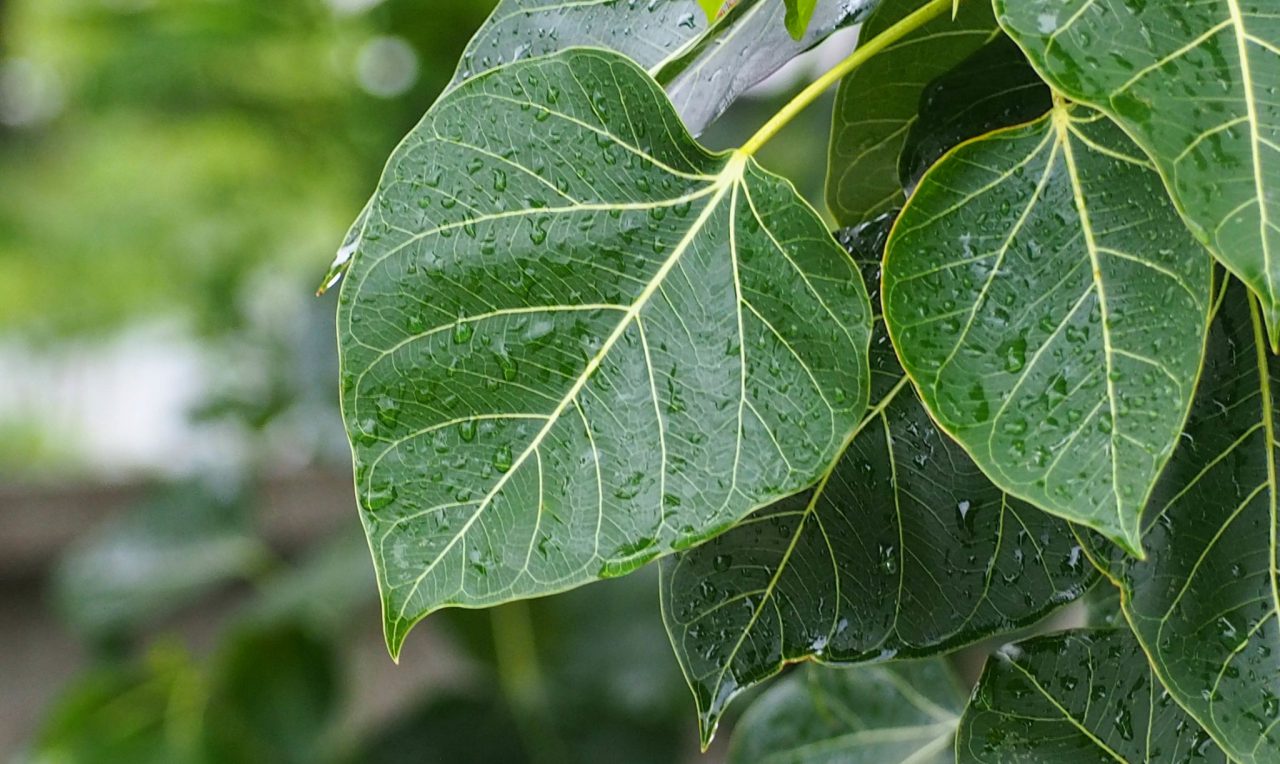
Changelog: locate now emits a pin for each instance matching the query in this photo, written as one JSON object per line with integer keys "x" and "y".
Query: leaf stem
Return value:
{"x": 520, "y": 677}
{"x": 861, "y": 55}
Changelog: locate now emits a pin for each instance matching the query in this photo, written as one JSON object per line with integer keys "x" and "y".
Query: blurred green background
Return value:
{"x": 182, "y": 573}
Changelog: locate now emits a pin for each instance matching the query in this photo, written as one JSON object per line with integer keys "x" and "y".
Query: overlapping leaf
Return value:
{"x": 1079, "y": 696}
{"x": 904, "y": 712}
{"x": 1196, "y": 85}
{"x": 1205, "y": 603}
{"x": 877, "y": 104}
{"x": 903, "y": 549}
{"x": 703, "y": 64}
{"x": 572, "y": 340}
{"x": 1052, "y": 309}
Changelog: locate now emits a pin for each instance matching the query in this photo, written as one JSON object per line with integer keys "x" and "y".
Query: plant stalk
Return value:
{"x": 860, "y": 56}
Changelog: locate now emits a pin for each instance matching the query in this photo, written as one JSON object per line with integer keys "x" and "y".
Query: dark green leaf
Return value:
{"x": 273, "y": 697}
{"x": 877, "y": 104}
{"x": 1195, "y": 84}
{"x": 1205, "y": 602}
{"x": 993, "y": 88}
{"x": 799, "y": 14}
{"x": 904, "y": 549}
{"x": 903, "y": 712}
{"x": 573, "y": 340}
{"x": 1077, "y": 697}
{"x": 1052, "y": 311}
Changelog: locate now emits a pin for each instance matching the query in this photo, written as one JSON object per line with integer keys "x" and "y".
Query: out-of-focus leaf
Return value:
{"x": 566, "y": 336}
{"x": 991, "y": 89}
{"x": 1074, "y": 697}
{"x": 904, "y": 549}
{"x": 272, "y": 697}
{"x": 326, "y": 590}
{"x": 1195, "y": 84}
{"x": 144, "y": 714}
{"x": 1204, "y": 603}
{"x": 1052, "y": 310}
{"x": 877, "y": 104}
{"x": 451, "y": 729}
{"x": 900, "y": 712}
{"x": 156, "y": 559}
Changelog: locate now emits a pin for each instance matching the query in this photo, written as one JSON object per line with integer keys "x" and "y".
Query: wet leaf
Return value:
{"x": 1051, "y": 310}
{"x": 705, "y": 61}
{"x": 1079, "y": 696}
{"x": 1204, "y": 604}
{"x": 877, "y": 104}
{"x": 1195, "y": 84}
{"x": 905, "y": 549}
{"x": 573, "y": 340}
{"x": 903, "y": 712}
{"x": 993, "y": 88}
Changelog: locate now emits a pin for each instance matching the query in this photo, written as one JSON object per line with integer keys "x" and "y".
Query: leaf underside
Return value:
{"x": 901, "y": 712}
{"x": 876, "y": 105}
{"x": 1051, "y": 310}
{"x": 1079, "y": 696}
{"x": 1204, "y": 604}
{"x": 905, "y": 549}
{"x": 572, "y": 340}
{"x": 1195, "y": 84}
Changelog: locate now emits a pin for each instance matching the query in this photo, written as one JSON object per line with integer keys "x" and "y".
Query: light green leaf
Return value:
{"x": 799, "y": 14}
{"x": 1052, "y": 311}
{"x": 1205, "y": 602}
{"x": 573, "y": 340}
{"x": 710, "y": 7}
{"x": 877, "y": 104}
{"x": 903, "y": 712}
{"x": 1195, "y": 84}
{"x": 1078, "y": 696}
{"x": 904, "y": 549}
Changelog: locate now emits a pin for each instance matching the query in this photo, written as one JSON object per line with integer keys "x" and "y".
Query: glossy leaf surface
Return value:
{"x": 1051, "y": 309}
{"x": 901, "y": 712}
{"x": 1196, "y": 85}
{"x": 904, "y": 549}
{"x": 877, "y": 104}
{"x": 705, "y": 61}
{"x": 991, "y": 89}
{"x": 1076, "y": 697}
{"x": 572, "y": 340}
{"x": 799, "y": 14}
{"x": 1204, "y": 604}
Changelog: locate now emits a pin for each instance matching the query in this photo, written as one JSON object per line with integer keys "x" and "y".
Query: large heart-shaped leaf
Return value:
{"x": 1076, "y": 697}
{"x": 573, "y": 340}
{"x": 703, "y": 64}
{"x": 1195, "y": 85}
{"x": 904, "y": 712}
{"x": 1052, "y": 309}
{"x": 1205, "y": 603}
{"x": 903, "y": 549}
{"x": 876, "y": 105}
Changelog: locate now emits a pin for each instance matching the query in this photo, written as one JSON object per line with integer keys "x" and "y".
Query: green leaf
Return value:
{"x": 1195, "y": 85}
{"x": 704, "y": 61}
{"x": 993, "y": 88}
{"x": 748, "y": 43}
{"x": 1205, "y": 602}
{"x": 902, "y": 712}
{"x": 904, "y": 549}
{"x": 877, "y": 104}
{"x": 572, "y": 340}
{"x": 1075, "y": 697}
{"x": 1052, "y": 311}
{"x": 799, "y": 14}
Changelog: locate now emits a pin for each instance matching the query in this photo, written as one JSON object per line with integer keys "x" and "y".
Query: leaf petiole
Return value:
{"x": 864, "y": 53}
